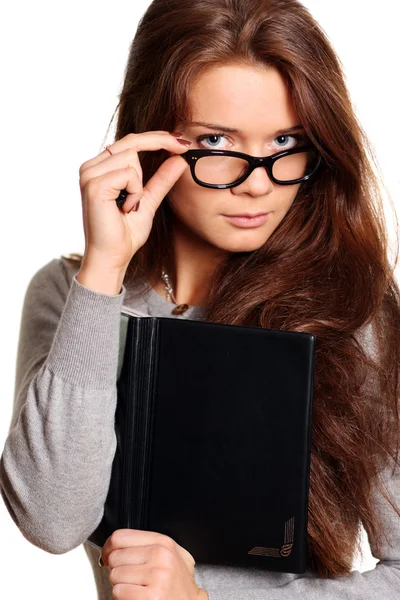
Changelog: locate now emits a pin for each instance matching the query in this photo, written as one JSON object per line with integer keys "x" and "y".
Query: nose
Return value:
{"x": 257, "y": 183}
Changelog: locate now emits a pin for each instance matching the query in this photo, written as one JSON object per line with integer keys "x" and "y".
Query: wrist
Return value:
{"x": 101, "y": 279}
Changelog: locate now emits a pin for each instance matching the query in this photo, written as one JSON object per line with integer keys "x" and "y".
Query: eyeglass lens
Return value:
{"x": 222, "y": 170}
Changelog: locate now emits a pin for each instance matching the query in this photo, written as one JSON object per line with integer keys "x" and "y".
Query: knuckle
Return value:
{"x": 166, "y": 541}
{"x": 132, "y": 154}
{"x": 117, "y": 592}
{"x": 112, "y": 558}
{"x": 131, "y": 169}
{"x": 113, "y": 576}
{"x": 131, "y": 136}
{"x": 116, "y": 538}
{"x": 84, "y": 178}
{"x": 160, "y": 552}
{"x": 133, "y": 174}
{"x": 82, "y": 181}
{"x": 138, "y": 182}
{"x": 92, "y": 186}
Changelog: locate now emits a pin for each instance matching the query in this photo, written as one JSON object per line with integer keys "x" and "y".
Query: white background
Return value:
{"x": 61, "y": 71}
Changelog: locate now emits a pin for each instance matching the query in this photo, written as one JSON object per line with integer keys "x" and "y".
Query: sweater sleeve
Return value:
{"x": 56, "y": 462}
{"x": 380, "y": 583}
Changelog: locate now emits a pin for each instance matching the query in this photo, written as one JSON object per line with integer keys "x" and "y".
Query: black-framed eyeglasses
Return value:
{"x": 226, "y": 168}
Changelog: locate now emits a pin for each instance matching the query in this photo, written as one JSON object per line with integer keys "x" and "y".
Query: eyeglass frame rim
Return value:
{"x": 191, "y": 157}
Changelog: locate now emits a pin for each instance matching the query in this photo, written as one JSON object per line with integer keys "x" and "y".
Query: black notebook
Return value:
{"x": 213, "y": 425}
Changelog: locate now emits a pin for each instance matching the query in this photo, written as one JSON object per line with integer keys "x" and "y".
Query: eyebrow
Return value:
{"x": 232, "y": 130}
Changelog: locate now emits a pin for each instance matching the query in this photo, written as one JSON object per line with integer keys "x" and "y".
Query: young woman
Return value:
{"x": 254, "y": 78}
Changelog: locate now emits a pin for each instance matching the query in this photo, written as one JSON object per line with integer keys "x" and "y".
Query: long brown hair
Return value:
{"x": 324, "y": 270}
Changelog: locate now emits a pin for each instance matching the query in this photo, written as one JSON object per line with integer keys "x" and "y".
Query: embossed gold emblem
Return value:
{"x": 284, "y": 550}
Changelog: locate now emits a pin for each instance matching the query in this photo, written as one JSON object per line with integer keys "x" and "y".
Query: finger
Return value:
{"x": 129, "y": 591}
{"x": 128, "y": 157}
{"x": 108, "y": 186}
{"x": 134, "y": 188}
{"x": 149, "y": 140}
{"x": 186, "y": 556}
{"x": 124, "y": 538}
{"x": 163, "y": 179}
{"x": 103, "y": 181}
{"x": 137, "y": 555}
{"x": 133, "y": 555}
{"x": 131, "y": 573}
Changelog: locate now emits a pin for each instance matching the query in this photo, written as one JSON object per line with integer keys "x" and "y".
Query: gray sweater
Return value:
{"x": 56, "y": 462}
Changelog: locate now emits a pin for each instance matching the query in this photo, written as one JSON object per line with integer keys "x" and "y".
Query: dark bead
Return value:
{"x": 180, "y": 308}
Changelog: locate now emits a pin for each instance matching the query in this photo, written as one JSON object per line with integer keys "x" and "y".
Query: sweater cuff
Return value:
{"x": 86, "y": 343}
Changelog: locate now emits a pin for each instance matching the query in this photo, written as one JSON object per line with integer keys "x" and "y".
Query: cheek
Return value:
{"x": 184, "y": 186}
{"x": 197, "y": 206}
{"x": 192, "y": 201}
{"x": 286, "y": 198}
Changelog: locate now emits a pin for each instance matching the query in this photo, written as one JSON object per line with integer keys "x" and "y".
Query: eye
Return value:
{"x": 216, "y": 137}
{"x": 211, "y": 136}
{"x": 298, "y": 137}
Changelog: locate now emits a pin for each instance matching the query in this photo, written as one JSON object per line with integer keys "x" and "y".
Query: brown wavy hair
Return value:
{"x": 324, "y": 270}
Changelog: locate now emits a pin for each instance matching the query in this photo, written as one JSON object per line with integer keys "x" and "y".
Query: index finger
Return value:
{"x": 127, "y": 538}
{"x": 148, "y": 140}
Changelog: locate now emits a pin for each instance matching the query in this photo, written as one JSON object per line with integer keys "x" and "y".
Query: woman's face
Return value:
{"x": 257, "y": 105}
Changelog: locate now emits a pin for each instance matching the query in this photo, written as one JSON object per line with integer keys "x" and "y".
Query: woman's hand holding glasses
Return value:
{"x": 112, "y": 234}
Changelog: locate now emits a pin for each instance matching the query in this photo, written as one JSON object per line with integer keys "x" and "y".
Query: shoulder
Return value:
{"x": 52, "y": 280}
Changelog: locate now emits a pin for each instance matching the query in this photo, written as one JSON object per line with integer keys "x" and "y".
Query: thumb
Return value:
{"x": 186, "y": 556}
{"x": 163, "y": 179}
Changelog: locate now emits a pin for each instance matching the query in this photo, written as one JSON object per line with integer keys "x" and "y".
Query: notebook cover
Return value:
{"x": 213, "y": 426}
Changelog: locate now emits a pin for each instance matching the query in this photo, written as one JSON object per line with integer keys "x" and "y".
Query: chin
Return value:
{"x": 242, "y": 245}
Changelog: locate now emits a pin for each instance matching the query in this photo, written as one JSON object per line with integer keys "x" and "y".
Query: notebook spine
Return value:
{"x": 139, "y": 420}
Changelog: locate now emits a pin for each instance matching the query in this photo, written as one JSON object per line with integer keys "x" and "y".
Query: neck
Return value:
{"x": 195, "y": 262}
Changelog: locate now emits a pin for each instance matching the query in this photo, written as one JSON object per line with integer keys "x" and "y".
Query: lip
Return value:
{"x": 248, "y": 215}
{"x": 248, "y": 219}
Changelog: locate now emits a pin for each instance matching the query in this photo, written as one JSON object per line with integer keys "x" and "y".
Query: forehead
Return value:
{"x": 249, "y": 99}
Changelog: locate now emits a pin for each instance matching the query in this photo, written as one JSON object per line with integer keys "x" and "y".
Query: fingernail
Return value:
{"x": 100, "y": 561}
{"x": 136, "y": 206}
{"x": 176, "y": 133}
{"x": 184, "y": 142}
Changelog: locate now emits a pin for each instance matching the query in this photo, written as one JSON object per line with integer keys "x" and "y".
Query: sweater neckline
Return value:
{"x": 158, "y": 299}
{"x": 157, "y": 304}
